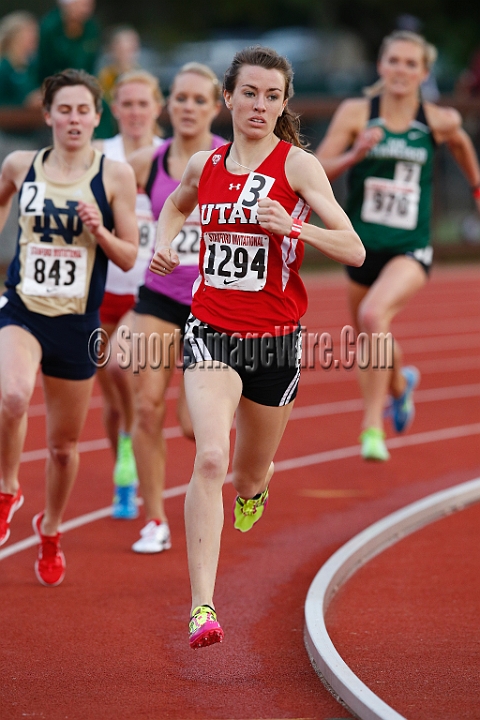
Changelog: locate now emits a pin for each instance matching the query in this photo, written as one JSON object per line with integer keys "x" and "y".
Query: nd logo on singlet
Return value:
{"x": 66, "y": 222}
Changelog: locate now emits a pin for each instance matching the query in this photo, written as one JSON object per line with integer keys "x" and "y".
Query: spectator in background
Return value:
{"x": 18, "y": 46}
{"x": 69, "y": 38}
{"x": 123, "y": 49}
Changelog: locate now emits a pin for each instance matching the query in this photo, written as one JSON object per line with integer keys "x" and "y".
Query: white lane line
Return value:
{"x": 298, "y": 413}
{"x": 451, "y": 433}
{"x": 341, "y": 566}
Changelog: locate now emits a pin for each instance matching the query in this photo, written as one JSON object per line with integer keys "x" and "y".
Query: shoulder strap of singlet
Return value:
{"x": 374, "y": 107}
{"x": 151, "y": 177}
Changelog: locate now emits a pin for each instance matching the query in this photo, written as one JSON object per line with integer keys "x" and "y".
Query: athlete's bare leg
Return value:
{"x": 149, "y": 389}
{"x": 20, "y": 355}
{"x": 213, "y": 395}
{"x": 373, "y": 310}
{"x": 67, "y": 406}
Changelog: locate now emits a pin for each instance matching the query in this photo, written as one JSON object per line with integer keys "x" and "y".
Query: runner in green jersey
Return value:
{"x": 387, "y": 141}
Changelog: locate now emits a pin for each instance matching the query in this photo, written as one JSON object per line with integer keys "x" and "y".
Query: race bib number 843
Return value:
{"x": 52, "y": 271}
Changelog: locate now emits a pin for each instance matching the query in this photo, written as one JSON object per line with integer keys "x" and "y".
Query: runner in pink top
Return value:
{"x": 164, "y": 303}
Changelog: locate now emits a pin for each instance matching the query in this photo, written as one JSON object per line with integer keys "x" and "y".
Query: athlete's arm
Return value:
{"x": 141, "y": 162}
{"x": 338, "y": 240}
{"x": 13, "y": 172}
{"x": 446, "y": 125}
{"x": 121, "y": 247}
{"x": 347, "y": 140}
{"x": 178, "y": 206}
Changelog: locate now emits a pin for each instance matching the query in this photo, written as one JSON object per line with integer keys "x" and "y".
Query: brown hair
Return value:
{"x": 69, "y": 78}
{"x": 203, "y": 70}
{"x": 429, "y": 54}
{"x": 288, "y": 124}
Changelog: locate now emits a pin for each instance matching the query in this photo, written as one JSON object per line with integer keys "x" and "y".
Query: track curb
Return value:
{"x": 327, "y": 662}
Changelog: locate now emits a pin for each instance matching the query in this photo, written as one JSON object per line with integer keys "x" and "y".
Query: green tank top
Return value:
{"x": 390, "y": 190}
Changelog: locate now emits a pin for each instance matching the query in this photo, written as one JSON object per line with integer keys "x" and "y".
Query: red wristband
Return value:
{"x": 476, "y": 192}
{"x": 296, "y": 228}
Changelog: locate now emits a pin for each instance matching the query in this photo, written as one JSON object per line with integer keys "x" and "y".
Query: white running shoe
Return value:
{"x": 154, "y": 538}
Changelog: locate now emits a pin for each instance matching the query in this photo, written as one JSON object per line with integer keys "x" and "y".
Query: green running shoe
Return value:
{"x": 373, "y": 445}
{"x": 125, "y": 471}
{"x": 247, "y": 512}
{"x": 204, "y": 628}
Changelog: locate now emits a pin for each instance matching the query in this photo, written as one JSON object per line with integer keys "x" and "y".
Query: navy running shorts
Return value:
{"x": 64, "y": 339}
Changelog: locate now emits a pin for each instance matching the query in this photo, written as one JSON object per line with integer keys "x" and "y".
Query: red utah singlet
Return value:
{"x": 249, "y": 277}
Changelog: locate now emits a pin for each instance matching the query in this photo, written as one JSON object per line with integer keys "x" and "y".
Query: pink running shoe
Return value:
{"x": 8, "y": 505}
{"x": 204, "y": 628}
{"x": 50, "y": 564}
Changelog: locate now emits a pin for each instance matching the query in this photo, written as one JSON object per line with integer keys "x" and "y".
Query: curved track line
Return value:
{"x": 280, "y": 466}
{"x": 343, "y": 564}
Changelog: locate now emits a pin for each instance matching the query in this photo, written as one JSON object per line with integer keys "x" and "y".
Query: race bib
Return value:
{"x": 52, "y": 271}
{"x": 32, "y": 198}
{"x": 235, "y": 261}
{"x": 393, "y": 203}
{"x": 187, "y": 243}
{"x": 146, "y": 235}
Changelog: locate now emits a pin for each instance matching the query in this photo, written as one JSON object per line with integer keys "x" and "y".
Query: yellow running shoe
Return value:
{"x": 373, "y": 445}
{"x": 204, "y": 628}
{"x": 247, "y": 512}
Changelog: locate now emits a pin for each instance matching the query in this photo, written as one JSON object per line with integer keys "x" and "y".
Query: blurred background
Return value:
{"x": 332, "y": 45}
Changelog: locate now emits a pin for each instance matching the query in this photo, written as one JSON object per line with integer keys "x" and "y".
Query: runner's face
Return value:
{"x": 257, "y": 101}
{"x": 191, "y": 105}
{"x": 72, "y": 117}
{"x": 402, "y": 67}
{"x": 136, "y": 110}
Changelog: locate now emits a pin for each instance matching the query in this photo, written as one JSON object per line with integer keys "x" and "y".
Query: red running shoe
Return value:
{"x": 50, "y": 564}
{"x": 8, "y": 505}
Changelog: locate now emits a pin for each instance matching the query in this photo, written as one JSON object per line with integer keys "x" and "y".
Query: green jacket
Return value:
{"x": 58, "y": 52}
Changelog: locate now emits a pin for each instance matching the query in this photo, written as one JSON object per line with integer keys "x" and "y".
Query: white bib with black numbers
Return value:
{"x": 235, "y": 261}
{"x": 393, "y": 203}
{"x": 53, "y": 271}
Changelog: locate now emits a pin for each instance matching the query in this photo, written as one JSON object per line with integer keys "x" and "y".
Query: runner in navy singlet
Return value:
{"x": 71, "y": 200}
{"x": 242, "y": 341}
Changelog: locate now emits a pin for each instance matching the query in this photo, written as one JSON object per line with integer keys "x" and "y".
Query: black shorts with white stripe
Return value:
{"x": 269, "y": 365}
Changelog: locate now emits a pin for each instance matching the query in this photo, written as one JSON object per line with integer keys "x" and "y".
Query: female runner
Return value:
{"x": 164, "y": 303}
{"x": 137, "y": 103}
{"x": 71, "y": 199}
{"x": 242, "y": 341}
{"x": 387, "y": 141}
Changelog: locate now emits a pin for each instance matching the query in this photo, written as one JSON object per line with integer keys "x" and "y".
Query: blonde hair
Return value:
{"x": 11, "y": 25}
{"x": 429, "y": 54}
{"x": 203, "y": 70}
{"x": 140, "y": 76}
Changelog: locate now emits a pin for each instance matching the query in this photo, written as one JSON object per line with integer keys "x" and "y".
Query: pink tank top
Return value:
{"x": 177, "y": 285}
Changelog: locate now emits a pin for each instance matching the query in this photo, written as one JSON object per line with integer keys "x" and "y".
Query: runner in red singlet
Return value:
{"x": 242, "y": 342}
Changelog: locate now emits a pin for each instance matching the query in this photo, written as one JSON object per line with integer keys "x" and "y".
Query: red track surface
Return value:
{"x": 111, "y": 641}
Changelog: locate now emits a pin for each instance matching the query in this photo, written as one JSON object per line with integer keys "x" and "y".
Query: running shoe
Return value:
{"x": 373, "y": 445}
{"x": 50, "y": 564}
{"x": 204, "y": 628}
{"x": 154, "y": 538}
{"x": 402, "y": 409}
{"x": 8, "y": 505}
{"x": 124, "y": 506}
{"x": 125, "y": 471}
{"x": 247, "y": 512}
